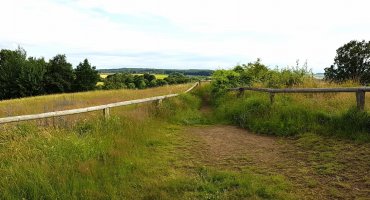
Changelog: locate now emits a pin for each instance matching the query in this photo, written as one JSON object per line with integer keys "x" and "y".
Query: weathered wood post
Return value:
{"x": 106, "y": 113}
{"x": 159, "y": 102}
{"x": 272, "y": 97}
{"x": 360, "y": 99}
{"x": 199, "y": 82}
{"x": 241, "y": 92}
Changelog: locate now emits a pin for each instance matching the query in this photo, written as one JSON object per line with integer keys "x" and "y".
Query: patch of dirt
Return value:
{"x": 334, "y": 170}
{"x": 222, "y": 145}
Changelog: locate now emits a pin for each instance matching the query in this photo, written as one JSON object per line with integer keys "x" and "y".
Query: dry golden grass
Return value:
{"x": 40, "y": 104}
{"x": 329, "y": 102}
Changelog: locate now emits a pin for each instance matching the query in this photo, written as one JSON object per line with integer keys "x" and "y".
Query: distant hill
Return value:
{"x": 189, "y": 72}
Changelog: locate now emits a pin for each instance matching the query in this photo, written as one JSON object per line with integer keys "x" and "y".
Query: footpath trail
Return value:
{"x": 317, "y": 167}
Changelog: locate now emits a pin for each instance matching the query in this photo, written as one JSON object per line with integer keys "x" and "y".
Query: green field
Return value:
{"x": 183, "y": 148}
{"x": 137, "y": 154}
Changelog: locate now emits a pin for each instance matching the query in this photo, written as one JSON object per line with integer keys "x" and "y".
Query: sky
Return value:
{"x": 186, "y": 34}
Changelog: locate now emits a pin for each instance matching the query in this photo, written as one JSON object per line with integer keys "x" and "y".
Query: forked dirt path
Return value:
{"x": 318, "y": 167}
{"x": 232, "y": 148}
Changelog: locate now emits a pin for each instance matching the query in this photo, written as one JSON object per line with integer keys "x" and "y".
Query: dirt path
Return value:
{"x": 319, "y": 168}
{"x": 229, "y": 146}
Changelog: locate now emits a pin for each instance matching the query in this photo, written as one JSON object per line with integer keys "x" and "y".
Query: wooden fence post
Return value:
{"x": 106, "y": 113}
{"x": 360, "y": 99}
{"x": 272, "y": 97}
{"x": 199, "y": 82}
{"x": 159, "y": 102}
{"x": 241, "y": 92}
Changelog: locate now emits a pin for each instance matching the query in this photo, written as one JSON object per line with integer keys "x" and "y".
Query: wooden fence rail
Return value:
{"x": 360, "y": 92}
{"x": 105, "y": 108}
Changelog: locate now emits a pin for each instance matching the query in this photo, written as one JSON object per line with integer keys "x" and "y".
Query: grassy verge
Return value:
{"x": 133, "y": 155}
{"x": 295, "y": 114}
{"x": 47, "y": 103}
{"x": 327, "y": 167}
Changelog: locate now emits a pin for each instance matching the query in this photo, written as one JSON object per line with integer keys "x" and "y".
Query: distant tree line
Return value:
{"x": 187, "y": 72}
{"x": 130, "y": 81}
{"x": 21, "y": 76}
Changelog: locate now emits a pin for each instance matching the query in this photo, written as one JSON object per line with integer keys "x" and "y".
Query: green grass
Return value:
{"x": 133, "y": 155}
{"x": 142, "y": 153}
{"x": 294, "y": 114}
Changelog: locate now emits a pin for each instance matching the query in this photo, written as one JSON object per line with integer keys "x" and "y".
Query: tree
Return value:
{"x": 59, "y": 75}
{"x": 223, "y": 80}
{"x": 20, "y": 77}
{"x": 153, "y": 83}
{"x": 256, "y": 72}
{"x": 177, "y": 78}
{"x": 149, "y": 77}
{"x": 11, "y": 66}
{"x": 86, "y": 77}
{"x": 32, "y": 77}
{"x": 352, "y": 62}
{"x": 238, "y": 69}
{"x": 118, "y": 81}
{"x": 140, "y": 82}
{"x": 161, "y": 82}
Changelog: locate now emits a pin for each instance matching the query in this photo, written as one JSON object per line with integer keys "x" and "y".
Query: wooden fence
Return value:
{"x": 105, "y": 108}
{"x": 360, "y": 92}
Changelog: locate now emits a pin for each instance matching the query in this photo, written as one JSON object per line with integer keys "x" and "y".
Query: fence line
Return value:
{"x": 105, "y": 108}
{"x": 360, "y": 92}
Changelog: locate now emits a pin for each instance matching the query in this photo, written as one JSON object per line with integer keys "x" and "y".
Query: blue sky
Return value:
{"x": 184, "y": 34}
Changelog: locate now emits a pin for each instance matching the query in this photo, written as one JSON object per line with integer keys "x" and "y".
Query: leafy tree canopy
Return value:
{"x": 86, "y": 77}
{"x": 352, "y": 62}
{"x": 59, "y": 75}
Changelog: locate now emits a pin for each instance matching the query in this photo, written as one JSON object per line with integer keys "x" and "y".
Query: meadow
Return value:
{"x": 153, "y": 151}
{"x": 47, "y": 103}
{"x": 331, "y": 114}
{"x": 136, "y": 154}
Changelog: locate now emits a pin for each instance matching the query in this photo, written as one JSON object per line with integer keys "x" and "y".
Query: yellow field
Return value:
{"x": 105, "y": 75}
{"x": 40, "y": 104}
{"x": 157, "y": 76}
{"x": 160, "y": 76}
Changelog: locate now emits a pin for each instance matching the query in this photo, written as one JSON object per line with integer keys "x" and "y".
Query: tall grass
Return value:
{"x": 292, "y": 114}
{"x": 40, "y": 104}
{"x": 133, "y": 155}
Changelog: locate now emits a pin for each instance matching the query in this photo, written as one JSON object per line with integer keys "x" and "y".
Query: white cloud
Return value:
{"x": 234, "y": 31}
